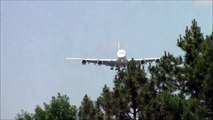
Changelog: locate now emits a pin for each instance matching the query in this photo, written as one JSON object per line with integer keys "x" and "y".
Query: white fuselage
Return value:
{"x": 121, "y": 55}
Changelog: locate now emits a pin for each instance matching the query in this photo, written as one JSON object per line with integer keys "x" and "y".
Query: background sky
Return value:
{"x": 36, "y": 36}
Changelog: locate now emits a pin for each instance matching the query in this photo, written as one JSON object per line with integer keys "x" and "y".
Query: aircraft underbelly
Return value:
{"x": 122, "y": 62}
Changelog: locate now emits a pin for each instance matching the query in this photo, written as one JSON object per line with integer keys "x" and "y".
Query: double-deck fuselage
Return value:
{"x": 122, "y": 57}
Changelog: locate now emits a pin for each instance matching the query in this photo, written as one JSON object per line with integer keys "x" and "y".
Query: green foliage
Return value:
{"x": 58, "y": 109}
{"x": 24, "y": 116}
{"x": 191, "y": 44}
{"x": 105, "y": 101}
{"x": 126, "y": 99}
{"x": 168, "y": 74}
{"x": 40, "y": 113}
{"x": 178, "y": 88}
{"x": 193, "y": 110}
{"x": 87, "y": 109}
{"x": 206, "y": 65}
{"x": 199, "y": 65}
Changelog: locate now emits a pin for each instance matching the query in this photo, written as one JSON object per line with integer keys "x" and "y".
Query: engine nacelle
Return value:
{"x": 157, "y": 60}
{"x": 83, "y": 62}
{"x": 100, "y": 62}
{"x": 142, "y": 62}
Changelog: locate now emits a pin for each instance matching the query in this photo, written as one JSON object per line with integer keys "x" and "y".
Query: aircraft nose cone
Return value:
{"x": 121, "y": 53}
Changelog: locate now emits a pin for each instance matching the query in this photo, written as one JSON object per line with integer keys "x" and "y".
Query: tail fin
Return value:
{"x": 119, "y": 45}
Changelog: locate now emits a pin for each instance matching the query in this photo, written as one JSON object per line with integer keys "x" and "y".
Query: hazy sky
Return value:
{"x": 36, "y": 36}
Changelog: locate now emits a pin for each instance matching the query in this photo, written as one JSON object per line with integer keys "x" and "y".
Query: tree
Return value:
{"x": 58, "y": 109}
{"x": 87, "y": 109}
{"x": 187, "y": 77}
{"x": 125, "y": 101}
{"x": 178, "y": 87}
{"x": 191, "y": 44}
{"x": 206, "y": 63}
{"x": 105, "y": 103}
{"x": 24, "y": 116}
{"x": 198, "y": 65}
{"x": 98, "y": 112}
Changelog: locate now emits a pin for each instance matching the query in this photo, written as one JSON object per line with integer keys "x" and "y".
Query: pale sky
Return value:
{"x": 36, "y": 36}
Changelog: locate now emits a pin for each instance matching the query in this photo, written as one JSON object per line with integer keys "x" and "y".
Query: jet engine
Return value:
{"x": 100, "y": 62}
{"x": 83, "y": 62}
{"x": 142, "y": 61}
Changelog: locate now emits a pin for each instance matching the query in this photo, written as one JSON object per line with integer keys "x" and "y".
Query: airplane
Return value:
{"x": 120, "y": 62}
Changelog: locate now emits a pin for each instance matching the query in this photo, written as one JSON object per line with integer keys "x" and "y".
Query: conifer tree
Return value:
{"x": 106, "y": 104}
{"x": 198, "y": 65}
{"x": 206, "y": 63}
{"x": 86, "y": 110}
{"x": 126, "y": 98}
{"x": 187, "y": 76}
{"x": 191, "y": 44}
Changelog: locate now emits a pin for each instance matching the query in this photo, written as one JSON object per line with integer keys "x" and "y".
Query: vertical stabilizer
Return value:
{"x": 119, "y": 45}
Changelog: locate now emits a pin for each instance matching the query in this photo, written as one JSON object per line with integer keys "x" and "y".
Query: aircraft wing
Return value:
{"x": 146, "y": 60}
{"x": 107, "y": 62}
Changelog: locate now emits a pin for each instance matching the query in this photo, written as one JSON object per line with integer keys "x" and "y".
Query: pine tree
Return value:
{"x": 106, "y": 104}
{"x": 198, "y": 65}
{"x": 207, "y": 64}
{"x": 98, "y": 112}
{"x": 125, "y": 101}
{"x": 86, "y": 110}
{"x": 191, "y": 44}
{"x": 178, "y": 79}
